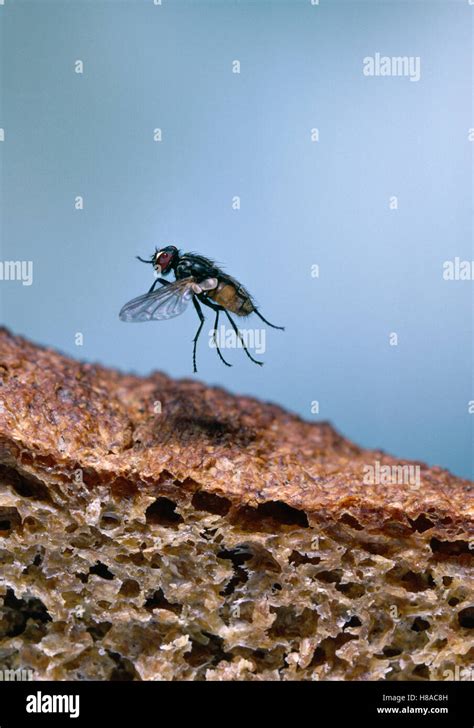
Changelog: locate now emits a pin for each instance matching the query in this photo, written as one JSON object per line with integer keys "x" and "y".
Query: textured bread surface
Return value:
{"x": 154, "y": 529}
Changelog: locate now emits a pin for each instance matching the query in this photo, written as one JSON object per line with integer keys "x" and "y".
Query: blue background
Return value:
{"x": 302, "y": 203}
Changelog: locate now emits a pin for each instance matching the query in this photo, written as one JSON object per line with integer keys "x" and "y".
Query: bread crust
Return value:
{"x": 58, "y": 416}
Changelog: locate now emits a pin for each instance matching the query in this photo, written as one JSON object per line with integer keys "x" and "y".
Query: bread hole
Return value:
{"x": 71, "y": 599}
{"x": 261, "y": 559}
{"x": 123, "y": 488}
{"x": 447, "y": 521}
{"x": 137, "y": 559}
{"x": 12, "y": 623}
{"x": 211, "y": 503}
{"x": 87, "y": 540}
{"x": 163, "y": 513}
{"x": 36, "y": 563}
{"x": 420, "y": 624}
{"x": 130, "y": 588}
{"x": 33, "y": 525}
{"x": 298, "y": 558}
{"x": 410, "y": 580}
{"x": 209, "y": 533}
{"x": 27, "y": 487}
{"x": 447, "y": 580}
{"x": 269, "y": 516}
{"x": 28, "y": 608}
{"x": 326, "y": 650}
{"x": 381, "y": 623}
{"x": 391, "y": 651}
{"x": 290, "y": 625}
{"x": 330, "y": 577}
{"x": 349, "y": 520}
{"x": 98, "y": 630}
{"x": 164, "y": 478}
{"x": 450, "y": 548}
{"x": 209, "y": 652}
{"x": 351, "y": 589}
{"x": 377, "y": 548}
{"x": 85, "y": 665}
{"x": 188, "y": 484}
{"x": 341, "y": 639}
{"x": 9, "y": 520}
{"x": 199, "y": 655}
{"x": 466, "y": 618}
{"x": 238, "y": 555}
{"x": 271, "y": 659}
{"x": 422, "y": 672}
{"x": 82, "y": 666}
{"x": 457, "y": 596}
{"x": 396, "y": 529}
{"x": 354, "y": 621}
{"x": 258, "y": 558}
{"x": 421, "y": 524}
{"x": 34, "y": 632}
{"x": 110, "y": 520}
{"x": 319, "y": 657}
{"x": 283, "y": 513}
{"x": 240, "y": 577}
{"x": 469, "y": 656}
{"x": 124, "y": 668}
{"x": 158, "y": 601}
{"x": 101, "y": 570}
{"x": 264, "y": 561}
{"x": 32, "y": 459}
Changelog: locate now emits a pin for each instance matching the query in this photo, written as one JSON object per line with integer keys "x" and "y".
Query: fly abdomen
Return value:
{"x": 233, "y": 298}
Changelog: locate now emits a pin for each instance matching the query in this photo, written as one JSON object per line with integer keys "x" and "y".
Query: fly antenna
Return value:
{"x": 143, "y": 260}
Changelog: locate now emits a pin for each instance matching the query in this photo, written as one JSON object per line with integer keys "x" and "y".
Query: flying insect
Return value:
{"x": 197, "y": 279}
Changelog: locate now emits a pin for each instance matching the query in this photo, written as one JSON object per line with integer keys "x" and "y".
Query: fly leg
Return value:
{"x": 201, "y": 324}
{"x": 159, "y": 280}
{"x": 215, "y": 340}
{"x": 281, "y": 328}
{"x": 217, "y": 309}
{"x": 232, "y": 323}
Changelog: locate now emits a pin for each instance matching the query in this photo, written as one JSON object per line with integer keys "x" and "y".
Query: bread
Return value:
{"x": 153, "y": 529}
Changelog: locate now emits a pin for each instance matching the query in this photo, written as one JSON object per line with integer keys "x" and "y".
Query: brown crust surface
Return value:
{"x": 58, "y": 415}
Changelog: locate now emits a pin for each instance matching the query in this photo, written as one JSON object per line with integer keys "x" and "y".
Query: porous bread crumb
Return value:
{"x": 214, "y": 537}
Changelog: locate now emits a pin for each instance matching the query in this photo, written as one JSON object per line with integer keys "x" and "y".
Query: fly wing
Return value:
{"x": 165, "y": 303}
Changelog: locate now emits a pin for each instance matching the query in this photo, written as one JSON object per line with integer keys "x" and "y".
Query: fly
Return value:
{"x": 199, "y": 280}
